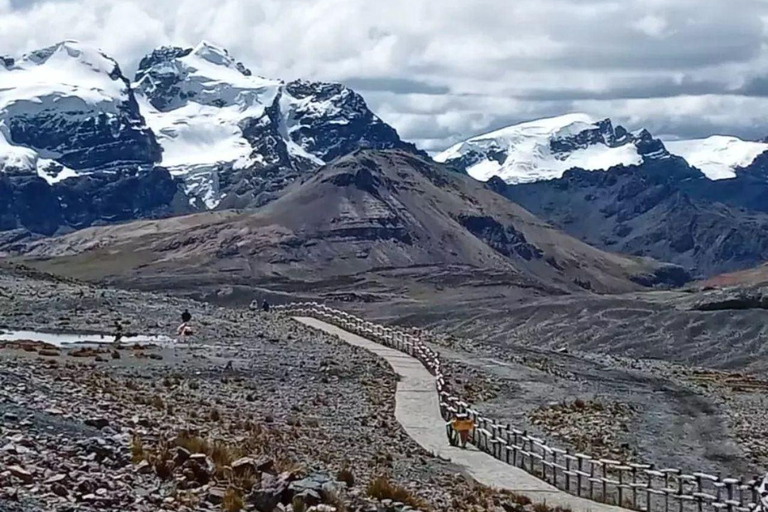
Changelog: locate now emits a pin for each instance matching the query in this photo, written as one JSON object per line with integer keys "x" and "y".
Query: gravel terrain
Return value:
{"x": 257, "y": 413}
{"x": 635, "y": 410}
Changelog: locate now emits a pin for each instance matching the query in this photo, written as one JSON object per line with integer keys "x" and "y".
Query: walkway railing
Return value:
{"x": 637, "y": 486}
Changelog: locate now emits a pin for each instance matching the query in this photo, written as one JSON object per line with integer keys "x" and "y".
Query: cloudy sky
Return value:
{"x": 443, "y": 70}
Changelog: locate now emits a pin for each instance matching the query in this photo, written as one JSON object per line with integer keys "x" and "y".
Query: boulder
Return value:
{"x": 22, "y": 474}
{"x": 216, "y": 495}
{"x": 98, "y": 423}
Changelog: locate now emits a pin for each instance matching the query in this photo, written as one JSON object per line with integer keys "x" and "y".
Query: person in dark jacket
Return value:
{"x": 184, "y": 329}
{"x": 118, "y": 331}
{"x": 265, "y": 306}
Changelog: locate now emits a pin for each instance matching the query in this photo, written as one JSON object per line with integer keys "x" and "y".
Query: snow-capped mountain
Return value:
{"x": 718, "y": 157}
{"x": 213, "y": 116}
{"x": 544, "y": 149}
{"x": 67, "y": 110}
{"x": 81, "y": 144}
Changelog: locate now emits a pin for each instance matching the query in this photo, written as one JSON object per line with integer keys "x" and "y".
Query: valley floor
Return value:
{"x": 304, "y": 401}
{"x": 118, "y": 428}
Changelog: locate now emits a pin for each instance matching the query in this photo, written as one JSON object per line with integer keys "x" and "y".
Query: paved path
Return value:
{"x": 418, "y": 411}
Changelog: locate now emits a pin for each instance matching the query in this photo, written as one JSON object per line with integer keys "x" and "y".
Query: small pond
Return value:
{"x": 61, "y": 339}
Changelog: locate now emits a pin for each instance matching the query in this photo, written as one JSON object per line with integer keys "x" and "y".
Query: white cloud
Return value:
{"x": 682, "y": 66}
{"x": 652, "y": 26}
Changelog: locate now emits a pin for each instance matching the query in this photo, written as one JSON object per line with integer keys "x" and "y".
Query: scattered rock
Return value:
{"x": 22, "y": 474}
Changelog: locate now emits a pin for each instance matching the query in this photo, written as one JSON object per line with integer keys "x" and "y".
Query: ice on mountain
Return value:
{"x": 544, "y": 149}
{"x": 718, "y": 157}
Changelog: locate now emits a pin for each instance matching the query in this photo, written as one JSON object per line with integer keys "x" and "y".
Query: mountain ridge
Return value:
{"x": 364, "y": 213}
{"x": 222, "y": 136}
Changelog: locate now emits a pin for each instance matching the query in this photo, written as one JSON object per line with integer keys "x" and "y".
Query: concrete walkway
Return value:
{"x": 418, "y": 411}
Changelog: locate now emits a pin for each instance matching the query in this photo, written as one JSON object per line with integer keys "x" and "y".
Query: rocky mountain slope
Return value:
{"x": 68, "y": 110}
{"x": 367, "y": 213}
{"x": 222, "y": 128}
{"x": 70, "y": 119}
{"x": 659, "y": 210}
{"x": 625, "y": 192}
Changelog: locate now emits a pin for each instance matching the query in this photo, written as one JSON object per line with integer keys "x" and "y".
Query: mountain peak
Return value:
{"x": 64, "y": 58}
{"x": 214, "y": 54}
{"x": 544, "y": 149}
{"x": 718, "y": 157}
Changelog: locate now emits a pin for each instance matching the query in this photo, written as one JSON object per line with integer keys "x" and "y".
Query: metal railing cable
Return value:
{"x": 638, "y": 486}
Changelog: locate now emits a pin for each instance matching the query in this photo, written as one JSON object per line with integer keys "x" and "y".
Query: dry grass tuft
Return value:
{"x": 137, "y": 450}
{"x": 298, "y": 504}
{"x": 193, "y": 444}
{"x": 381, "y": 488}
{"x": 157, "y": 402}
{"x": 233, "y": 501}
{"x": 345, "y": 475}
{"x": 334, "y": 500}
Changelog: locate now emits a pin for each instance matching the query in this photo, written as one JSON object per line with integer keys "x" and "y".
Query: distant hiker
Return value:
{"x": 459, "y": 428}
{"x": 184, "y": 329}
{"x": 118, "y": 331}
{"x": 265, "y": 306}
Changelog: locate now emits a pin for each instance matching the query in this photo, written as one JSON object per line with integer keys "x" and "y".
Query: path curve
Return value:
{"x": 417, "y": 410}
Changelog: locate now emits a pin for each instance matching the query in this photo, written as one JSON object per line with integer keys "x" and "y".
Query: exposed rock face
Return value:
{"x": 251, "y": 135}
{"x": 29, "y": 203}
{"x": 544, "y": 149}
{"x": 88, "y": 121}
{"x": 663, "y": 209}
{"x": 504, "y": 239}
{"x": 345, "y": 127}
{"x": 232, "y": 139}
{"x": 374, "y": 210}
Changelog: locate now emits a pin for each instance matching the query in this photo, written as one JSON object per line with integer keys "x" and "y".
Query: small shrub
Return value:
{"x": 543, "y": 507}
{"x": 345, "y": 475}
{"x": 334, "y": 500}
{"x": 521, "y": 500}
{"x": 193, "y": 444}
{"x": 579, "y": 404}
{"x": 298, "y": 504}
{"x": 215, "y": 415}
{"x": 381, "y": 488}
{"x": 233, "y": 501}
{"x": 162, "y": 462}
{"x": 245, "y": 480}
{"x": 222, "y": 454}
{"x": 157, "y": 403}
{"x": 137, "y": 450}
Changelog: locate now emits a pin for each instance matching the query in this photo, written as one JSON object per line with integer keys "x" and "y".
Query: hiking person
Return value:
{"x": 460, "y": 425}
{"x": 265, "y": 306}
{"x": 118, "y": 332}
{"x": 184, "y": 329}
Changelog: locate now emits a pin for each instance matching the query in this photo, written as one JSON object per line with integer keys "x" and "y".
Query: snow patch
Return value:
{"x": 718, "y": 156}
{"x": 67, "y": 77}
{"x": 527, "y": 152}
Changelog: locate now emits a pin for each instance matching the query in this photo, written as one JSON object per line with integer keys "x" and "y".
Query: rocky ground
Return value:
{"x": 257, "y": 413}
{"x": 623, "y": 408}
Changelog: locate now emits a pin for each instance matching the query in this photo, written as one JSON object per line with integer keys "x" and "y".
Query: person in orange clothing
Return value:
{"x": 461, "y": 425}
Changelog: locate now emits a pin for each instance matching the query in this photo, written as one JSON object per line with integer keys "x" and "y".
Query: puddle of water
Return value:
{"x": 80, "y": 339}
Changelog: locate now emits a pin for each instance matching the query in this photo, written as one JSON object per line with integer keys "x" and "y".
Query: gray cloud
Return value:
{"x": 443, "y": 71}
{"x": 395, "y": 85}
